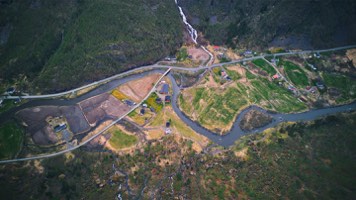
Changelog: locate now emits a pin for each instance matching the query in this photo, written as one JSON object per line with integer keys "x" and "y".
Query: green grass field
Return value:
{"x": 151, "y": 102}
{"x": 346, "y": 85}
{"x": 11, "y": 137}
{"x": 232, "y": 74}
{"x": 120, "y": 140}
{"x": 265, "y": 66}
{"x": 295, "y": 74}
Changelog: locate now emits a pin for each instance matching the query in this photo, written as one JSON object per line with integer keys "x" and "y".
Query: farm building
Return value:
{"x": 167, "y": 99}
{"x": 129, "y": 102}
{"x": 164, "y": 89}
{"x": 276, "y": 76}
{"x": 158, "y": 100}
{"x": 142, "y": 111}
{"x": 60, "y": 127}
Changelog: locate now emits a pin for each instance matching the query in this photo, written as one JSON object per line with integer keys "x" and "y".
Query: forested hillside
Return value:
{"x": 255, "y": 23}
{"x": 62, "y": 44}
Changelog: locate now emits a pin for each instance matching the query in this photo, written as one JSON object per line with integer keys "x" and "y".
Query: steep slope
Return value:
{"x": 246, "y": 23}
{"x": 69, "y": 43}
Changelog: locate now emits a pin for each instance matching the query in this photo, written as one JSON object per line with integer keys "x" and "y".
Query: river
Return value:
{"x": 236, "y": 132}
{"x": 227, "y": 140}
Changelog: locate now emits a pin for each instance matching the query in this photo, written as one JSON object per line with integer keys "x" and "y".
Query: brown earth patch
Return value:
{"x": 39, "y": 129}
{"x": 198, "y": 54}
{"x": 138, "y": 89}
{"x": 97, "y": 108}
{"x": 351, "y": 55}
{"x": 242, "y": 154}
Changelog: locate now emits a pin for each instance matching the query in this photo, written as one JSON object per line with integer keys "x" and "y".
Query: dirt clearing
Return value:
{"x": 102, "y": 106}
{"x": 351, "y": 55}
{"x": 198, "y": 54}
{"x": 138, "y": 89}
{"x": 41, "y": 132}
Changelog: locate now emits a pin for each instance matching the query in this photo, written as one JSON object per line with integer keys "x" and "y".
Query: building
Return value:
{"x": 168, "y": 124}
{"x": 158, "y": 100}
{"x": 10, "y": 90}
{"x": 164, "y": 89}
{"x": 142, "y": 111}
{"x": 248, "y": 53}
{"x": 167, "y": 99}
{"x": 312, "y": 67}
{"x": 224, "y": 75}
{"x": 16, "y": 101}
{"x": 320, "y": 85}
{"x": 276, "y": 76}
{"x": 168, "y": 131}
{"x": 129, "y": 102}
{"x": 60, "y": 127}
{"x": 317, "y": 55}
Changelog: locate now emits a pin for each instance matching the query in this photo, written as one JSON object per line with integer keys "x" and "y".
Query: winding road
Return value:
{"x": 226, "y": 140}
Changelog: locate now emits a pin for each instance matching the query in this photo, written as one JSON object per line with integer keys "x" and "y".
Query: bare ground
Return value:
{"x": 99, "y": 107}
{"x": 198, "y": 54}
{"x": 136, "y": 90}
{"x": 351, "y": 55}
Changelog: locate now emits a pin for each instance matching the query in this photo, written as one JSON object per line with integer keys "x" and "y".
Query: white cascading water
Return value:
{"x": 192, "y": 32}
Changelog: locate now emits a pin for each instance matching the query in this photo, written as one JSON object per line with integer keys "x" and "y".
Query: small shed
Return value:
{"x": 142, "y": 111}
{"x": 168, "y": 124}
{"x": 60, "y": 127}
{"x": 129, "y": 102}
{"x": 167, "y": 99}
{"x": 158, "y": 100}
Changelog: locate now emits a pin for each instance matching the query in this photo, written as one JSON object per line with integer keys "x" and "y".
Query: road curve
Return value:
{"x": 92, "y": 137}
{"x": 156, "y": 65}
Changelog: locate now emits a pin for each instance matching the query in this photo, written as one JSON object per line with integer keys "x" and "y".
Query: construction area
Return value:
{"x": 103, "y": 106}
{"x": 48, "y": 125}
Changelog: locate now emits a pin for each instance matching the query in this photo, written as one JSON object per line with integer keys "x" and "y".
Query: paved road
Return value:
{"x": 92, "y": 137}
{"x": 148, "y": 67}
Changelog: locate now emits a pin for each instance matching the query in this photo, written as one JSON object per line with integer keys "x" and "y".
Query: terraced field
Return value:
{"x": 216, "y": 108}
{"x": 295, "y": 74}
{"x": 265, "y": 66}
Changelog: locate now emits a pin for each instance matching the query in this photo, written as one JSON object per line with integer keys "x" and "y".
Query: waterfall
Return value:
{"x": 192, "y": 32}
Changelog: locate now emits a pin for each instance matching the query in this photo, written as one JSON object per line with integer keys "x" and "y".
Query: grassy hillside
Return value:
{"x": 249, "y": 23}
{"x": 62, "y": 44}
{"x": 11, "y": 137}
